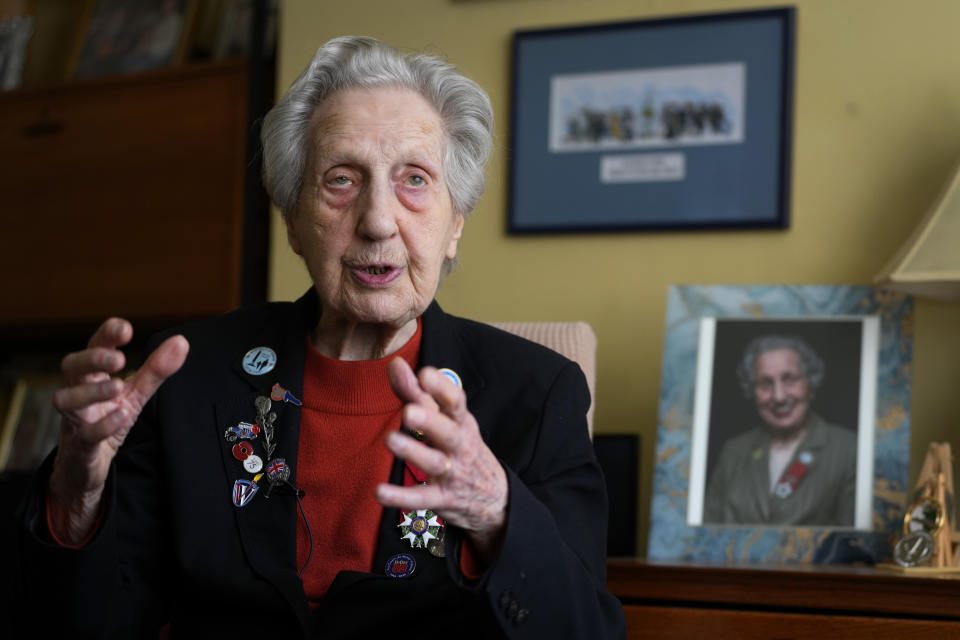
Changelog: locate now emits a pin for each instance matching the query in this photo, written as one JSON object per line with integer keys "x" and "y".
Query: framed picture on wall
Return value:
{"x": 784, "y": 424}
{"x": 127, "y": 36}
{"x": 671, "y": 123}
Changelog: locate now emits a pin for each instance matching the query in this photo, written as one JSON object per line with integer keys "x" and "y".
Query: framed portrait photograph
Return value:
{"x": 127, "y": 36}
{"x": 671, "y": 123}
{"x": 784, "y": 424}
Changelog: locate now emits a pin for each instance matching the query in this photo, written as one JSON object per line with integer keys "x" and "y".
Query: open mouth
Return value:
{"x": 783, "y": 409}
{"x": 377, "y": 275}
{"x": 377, "y": 271}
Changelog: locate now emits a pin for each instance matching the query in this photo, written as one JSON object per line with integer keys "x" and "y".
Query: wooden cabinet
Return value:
{"x": 123, "y": 196}
{"x": 674, "y": 602}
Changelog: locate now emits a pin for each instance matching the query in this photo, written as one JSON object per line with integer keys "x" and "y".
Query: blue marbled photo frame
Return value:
{"x": 672, "y": 536}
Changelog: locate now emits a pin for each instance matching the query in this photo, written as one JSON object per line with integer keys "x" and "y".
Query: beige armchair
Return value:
{"x": 575, "y": 340}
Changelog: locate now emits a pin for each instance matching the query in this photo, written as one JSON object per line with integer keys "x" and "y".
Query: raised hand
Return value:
{"x": 466, "y": 486}
{"x": 98, "y": 411}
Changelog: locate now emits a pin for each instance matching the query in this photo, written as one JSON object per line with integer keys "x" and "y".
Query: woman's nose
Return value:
{"x": 379, "y": 210}
{"x": 779, "y": 391}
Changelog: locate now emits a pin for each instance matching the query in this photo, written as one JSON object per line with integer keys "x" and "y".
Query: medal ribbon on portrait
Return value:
{"x": 792, "y": 477}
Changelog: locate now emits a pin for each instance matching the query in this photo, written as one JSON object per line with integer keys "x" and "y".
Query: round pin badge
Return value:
{"x": 805, "y": 458}
{"x": 278, "y": 470}
{"x": 259, "y": 360}
{"x": 253, "y": 463}
{"x": 450, "y": 373}
{"x": 242, "y": 450}
{"x": 400, "y": 565}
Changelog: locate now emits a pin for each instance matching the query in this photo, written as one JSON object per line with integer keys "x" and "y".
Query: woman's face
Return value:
{"x": 781, "y": 390}
{"x": 374, "y": 221}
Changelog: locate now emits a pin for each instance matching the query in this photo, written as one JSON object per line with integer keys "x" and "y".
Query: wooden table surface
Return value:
{"x": 793, "y": 588}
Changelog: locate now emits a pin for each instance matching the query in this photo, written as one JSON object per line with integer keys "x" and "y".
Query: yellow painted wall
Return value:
{"x": 876, "y": 132}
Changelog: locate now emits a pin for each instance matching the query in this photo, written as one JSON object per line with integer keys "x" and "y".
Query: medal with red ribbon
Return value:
{"x": 421, "y": 527}
{"x": 792, "y": 477}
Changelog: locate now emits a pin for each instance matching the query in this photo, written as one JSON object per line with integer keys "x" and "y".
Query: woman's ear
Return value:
{"x": 292, "y": 237}
{"x": 451, "y": 251}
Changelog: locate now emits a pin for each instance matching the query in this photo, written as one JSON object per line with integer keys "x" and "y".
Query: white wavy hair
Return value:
{"x": 813, "y": 366}
{"x": 360, "y": 62}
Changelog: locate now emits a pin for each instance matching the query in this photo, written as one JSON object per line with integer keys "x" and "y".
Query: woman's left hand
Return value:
{"x": 466, "y": 485}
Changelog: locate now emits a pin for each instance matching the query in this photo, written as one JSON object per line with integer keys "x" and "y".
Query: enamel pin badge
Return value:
{"x": 243, "y": 430}
{"x": 244, "y": 490}
{"x": 279, "y": 394}
{"x": 400, "y": 565}
{"x": 259, "y": 360}
{"x": 419, "y": 527}
{"x": 278, "y": 471}
{"x": 450, "y": 373}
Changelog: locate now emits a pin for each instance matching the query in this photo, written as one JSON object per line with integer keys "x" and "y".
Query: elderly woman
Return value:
{"x": 292, "y": 474}
{"x": 796, "y": 468}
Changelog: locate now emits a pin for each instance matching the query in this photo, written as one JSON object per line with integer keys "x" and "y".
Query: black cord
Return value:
{"x": 299, "y": 494}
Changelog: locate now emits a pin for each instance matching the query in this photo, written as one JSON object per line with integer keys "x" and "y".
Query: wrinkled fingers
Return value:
{"x": 160, "y": 365}
{"x": 82, "y": 396}
{"x": 114, "y": 332}
{"x": 434, "y": 462}
{"x": 403, "y": 381}
{"x": 439, "y": 429}
{"x": 423, "y": 496}
{"x": 94, "y": 361}
{"x": 450, "y": 398}
{"x": 114, "y": 423}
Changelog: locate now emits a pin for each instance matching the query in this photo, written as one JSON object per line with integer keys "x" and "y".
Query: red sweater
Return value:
{"x": 348, "y": 408}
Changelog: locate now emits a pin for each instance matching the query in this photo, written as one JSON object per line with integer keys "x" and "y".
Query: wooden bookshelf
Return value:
{"x": 124, "y": 195}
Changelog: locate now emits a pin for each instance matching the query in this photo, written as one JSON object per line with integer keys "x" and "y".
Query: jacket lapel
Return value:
{"x": 267, "y": 524}
{"x": 440, "y": 347}
{"x": 759, "y": 483}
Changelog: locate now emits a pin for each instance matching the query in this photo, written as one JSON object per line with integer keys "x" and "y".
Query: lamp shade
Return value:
{"x": 928, "y": 264}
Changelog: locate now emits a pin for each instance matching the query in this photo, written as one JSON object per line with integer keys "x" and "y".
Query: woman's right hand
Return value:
{"x": 98, "y": 411}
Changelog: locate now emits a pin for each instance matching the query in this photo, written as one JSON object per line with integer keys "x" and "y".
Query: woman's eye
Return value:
{"x": 416, "y": 181}
{"x": 341, "y": 181}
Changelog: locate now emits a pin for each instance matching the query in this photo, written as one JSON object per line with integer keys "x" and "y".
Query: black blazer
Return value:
{"x": 173, "y": 547}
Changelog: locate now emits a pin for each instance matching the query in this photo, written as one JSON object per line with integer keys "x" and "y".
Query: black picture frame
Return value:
{"x": 675, "y": 123}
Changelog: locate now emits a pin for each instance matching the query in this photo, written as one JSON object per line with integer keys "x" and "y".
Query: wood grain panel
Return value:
{"x": 812, "y": 588}
{"x": 677, "y": 623}
{"x": 123, "y": 196}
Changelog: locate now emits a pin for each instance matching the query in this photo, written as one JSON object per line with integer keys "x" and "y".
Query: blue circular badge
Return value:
{"x": 400, "y": 565}
{"x": 450, "y": 373}
{"x": 259, "y": 361}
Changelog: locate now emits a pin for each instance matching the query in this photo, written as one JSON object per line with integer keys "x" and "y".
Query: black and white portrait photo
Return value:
{"x": 783, "y": 422}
